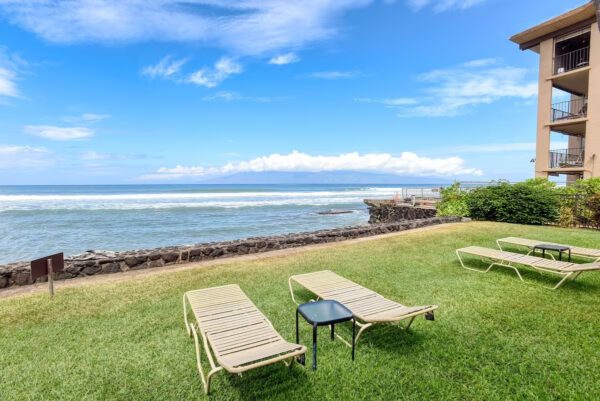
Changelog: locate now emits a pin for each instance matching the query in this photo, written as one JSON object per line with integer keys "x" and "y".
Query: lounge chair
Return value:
{"x": 368, "y": 307}
{"x": 508, "y": 259}
{"x": 589, "y": 253}
{"x": 238, "y": 334}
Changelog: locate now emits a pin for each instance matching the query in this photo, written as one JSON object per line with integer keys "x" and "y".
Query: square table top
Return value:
{"x": 552, "y": 247}
{"x": 324, "y": 312}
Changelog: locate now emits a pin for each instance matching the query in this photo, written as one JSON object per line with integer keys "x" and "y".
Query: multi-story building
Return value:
{"x": 568, "y": 124}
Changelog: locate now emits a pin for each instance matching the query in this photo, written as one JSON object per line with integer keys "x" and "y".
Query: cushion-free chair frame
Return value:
{"x": 567, "y": 270}
{"x": 235, "y": 331}
{"x": 368, "y": 307}
{"x": 588, "y": 253}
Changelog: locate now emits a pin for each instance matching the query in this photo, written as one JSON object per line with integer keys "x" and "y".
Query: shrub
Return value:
{"x": 577, "y": 203}
{"x": 566, "y": 216}
{"x": 593, "y": 205}
{"x": 453, "y": 202}
{"x": 529, "y": 202}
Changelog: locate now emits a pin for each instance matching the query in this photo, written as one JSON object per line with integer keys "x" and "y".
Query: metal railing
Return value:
{"x": 572, "y": 60}
{"x": 565, "y": 158}
{"x": 574, "y": 108}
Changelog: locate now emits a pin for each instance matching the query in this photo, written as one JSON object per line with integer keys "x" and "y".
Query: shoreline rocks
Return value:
{"x": 106, "y": 262}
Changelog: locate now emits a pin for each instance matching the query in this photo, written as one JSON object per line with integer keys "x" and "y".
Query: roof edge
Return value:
{"x": 582, "y": 15}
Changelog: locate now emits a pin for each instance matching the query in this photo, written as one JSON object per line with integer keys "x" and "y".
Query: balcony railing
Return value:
{"x": 574, "y": 108}
{"x": 565, "y": 158}
{"x": 572, "y": 60}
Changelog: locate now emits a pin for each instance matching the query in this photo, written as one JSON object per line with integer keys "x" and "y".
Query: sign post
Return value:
{"x": 50, "y": 278}
{"x": 47, "y": 266}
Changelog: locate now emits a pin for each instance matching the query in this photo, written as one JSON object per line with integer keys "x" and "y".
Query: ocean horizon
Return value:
{"x": 40, "y": 220}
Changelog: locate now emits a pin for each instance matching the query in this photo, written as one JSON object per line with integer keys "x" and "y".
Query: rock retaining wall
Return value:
{"x": 392, "y": 212}
{"x": 93, "y": 263}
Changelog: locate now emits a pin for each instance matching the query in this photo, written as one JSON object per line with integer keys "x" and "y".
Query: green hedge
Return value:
{"x": 535, "y": 201}
{"x": 528, "y": 202}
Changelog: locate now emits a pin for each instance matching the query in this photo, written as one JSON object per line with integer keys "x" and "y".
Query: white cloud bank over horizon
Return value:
{"x": 406, "y": 163}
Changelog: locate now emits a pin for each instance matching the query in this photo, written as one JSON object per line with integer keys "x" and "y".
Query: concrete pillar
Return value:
{"x": 592, "y": 134}
{"x": 544, "y": 108}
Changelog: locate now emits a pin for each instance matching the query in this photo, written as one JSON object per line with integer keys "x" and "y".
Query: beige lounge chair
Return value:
{"x": 238, "y": 334}
{"x": 508, "y": 259}
{"x": 368, "y": 307}
{"x": 589, "y": 253}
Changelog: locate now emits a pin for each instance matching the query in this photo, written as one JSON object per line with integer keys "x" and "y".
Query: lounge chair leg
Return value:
{"x": 463, "y": 264}
{"x": 507, "y": 265}
{"x": 412, "y": 319}
{"x": 289, "y": 364}
{"x": 363, "y": 327}
{"x": 499, "y": 246}
{"x": 205, "y": 380}
{"x": 185, "y": 318}
{"x": 292, "y": 291}
{"x": 561, "y": 282}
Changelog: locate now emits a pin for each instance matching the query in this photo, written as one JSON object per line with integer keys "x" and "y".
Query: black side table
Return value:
{"x": 324, "y": 313}
{"x": 553, "y": 247}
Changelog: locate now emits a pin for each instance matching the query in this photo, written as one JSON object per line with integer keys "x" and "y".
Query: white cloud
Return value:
{"x": 10, "y": 67}
{"x": 482, "y": 62}
{"x": 335, "y": 74}
{"x": 165, "y": 68}
{"x": 245, "y": 27}
{"x": 6, "y": 150}
{"x": 58, "y": 133}
{"x": 23, "y": 156}
{"x": 283, "y": 59}
{"x": 494, "y": 147}
{"x": 391, "y": 102}
{"x": 456, "y": 91}
{"x": 92, "y": 155}
{"x": 211, "y": 77}
{"x": 443, "y": 5}
{"x": 8, "y": 86}
{"x": 87, "y": 118}
{"x": 403, "y": 164}
{"x": 232, "y": 96}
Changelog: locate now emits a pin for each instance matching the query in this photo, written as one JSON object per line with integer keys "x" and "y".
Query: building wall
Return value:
{"x": 544, "y": 108}
{"x": 592, "y": 139}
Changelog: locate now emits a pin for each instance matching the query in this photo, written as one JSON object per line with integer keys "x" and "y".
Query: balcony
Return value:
{"x": 566, "y": 158}
{"x": 569, "y": 110}
{"x": 572, "y": 60}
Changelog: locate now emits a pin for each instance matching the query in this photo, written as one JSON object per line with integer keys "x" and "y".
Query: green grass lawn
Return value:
{"x": 494, "y": 337}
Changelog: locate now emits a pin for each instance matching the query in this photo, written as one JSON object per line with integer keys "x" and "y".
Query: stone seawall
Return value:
{"x": 392, "y": 212}
{"x": 114, "y": 262}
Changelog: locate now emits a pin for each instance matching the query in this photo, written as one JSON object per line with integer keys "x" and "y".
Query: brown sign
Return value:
{"x": 39, "y": 267}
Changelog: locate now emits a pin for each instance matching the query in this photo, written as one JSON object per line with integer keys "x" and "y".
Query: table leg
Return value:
{"x": 543, "y": 253}
{"x": 314, "y": 347}
{"x": 569, "y": 254}
{"x": 560, "y": 255}
{"x": 353, "y": 338}
{"x": 297, "y": 334}
{"x": 332, "y": 331}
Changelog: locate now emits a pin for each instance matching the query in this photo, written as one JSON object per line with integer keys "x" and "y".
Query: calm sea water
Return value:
{"x": 39, "y": 220}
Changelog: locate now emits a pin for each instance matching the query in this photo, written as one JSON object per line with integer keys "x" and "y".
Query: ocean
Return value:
{"x": 39, "y": 220}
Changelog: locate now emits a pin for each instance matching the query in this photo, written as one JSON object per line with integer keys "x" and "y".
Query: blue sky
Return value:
{"x": 101, "y": 92}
